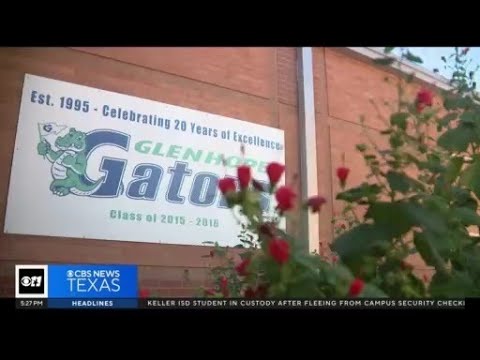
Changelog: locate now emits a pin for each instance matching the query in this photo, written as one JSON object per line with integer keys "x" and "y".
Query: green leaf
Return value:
{"x": 459, "y": 285}
{"x": 469, "y": 117}
{"x": 400, "y": 120}
{"x": 457, "y": 139}
{"x": 388, "y": 50}
{"x": 429, "y": 219}
{"x": 396, "y": 140}
{"x": 433, "y": 164}
{"x": 363, "y": 191}
{"x": 372, "y": 292}
{"x": 361, "y": 147}
{"x": 447, "y": 119}
{"x": 398, "y": 182}
{"x": 411, "y": 57}
{"x": 402, "y": 183}
{"x": 424, "y": 248}
{"x": 427, "y": 245}
{"x": 467, "y": 216}
{"x": 384, "y": 61}
{"x": 463, "y": 198}
{"x": 362, "y": 240}
{"x": 453, "y": 169}
{"x": 382, "y": 214}
{"x": 471, "y": 176}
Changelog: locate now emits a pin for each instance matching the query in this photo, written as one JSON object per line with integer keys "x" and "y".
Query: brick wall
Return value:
{"x": 345, "y": 86}
{"x": 252, "y": 84}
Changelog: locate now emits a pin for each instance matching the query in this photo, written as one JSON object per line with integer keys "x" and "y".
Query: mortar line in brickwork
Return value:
{"x": 353, "y": 123}
{"x": 171, "y": 74}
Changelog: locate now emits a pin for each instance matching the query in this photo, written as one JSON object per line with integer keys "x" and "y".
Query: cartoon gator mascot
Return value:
{"x": 69, "y": 164}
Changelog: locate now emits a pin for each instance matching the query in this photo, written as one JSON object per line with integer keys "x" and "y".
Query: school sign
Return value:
{"x": 90, "y": 163}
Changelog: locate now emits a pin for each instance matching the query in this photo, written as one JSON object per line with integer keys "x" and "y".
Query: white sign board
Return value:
{"x": 90, "y": 163}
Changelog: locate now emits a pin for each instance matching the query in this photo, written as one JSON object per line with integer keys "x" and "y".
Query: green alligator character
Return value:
{"x": 69, "y": 164}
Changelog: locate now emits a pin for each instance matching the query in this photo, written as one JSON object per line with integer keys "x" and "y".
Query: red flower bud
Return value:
{"x": 425, "y": 277}
{"x": 226, "y": 185}
{"x": 275, "y": 171}
{"x": 285, "y": 198}
{"x": 342, "y": 174}
{"x": 424, "y": 97}
{"x": 242, "y": 267}
{"x": 334, "y": 259}
{"x": 244, "y": 176}
{"x": 315, "y": 203}
{"x": 144, "y": 293}
{"x": 465, "y": 51}
{"x": 356, "y": 287}
{"x": 279, "y": 249}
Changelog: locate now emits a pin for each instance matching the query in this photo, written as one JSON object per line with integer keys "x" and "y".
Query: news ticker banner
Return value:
{"x": 110, "y": 166}
{"x": 116, "y": 287}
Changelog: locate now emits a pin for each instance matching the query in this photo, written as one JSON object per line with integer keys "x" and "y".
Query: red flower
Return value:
{"x": 425, "y": 277}
{"x": 244, "y": 176}
{"x": 356, "y": 287}
{"x": 241, "y": 268}
{"x": 334, "y": 259}
{"x": 424, "y": 98}
{"x": 285, "y": 197}
{"x": 316, "y": 202}
{"x": 342, "y": 174}
{"x": 279, "y": 249}
{"x": 226, "y": 185}
{"x": 275, "y": 171}
{"x": 144, "y": 293}
{"x": 224, "y": 286}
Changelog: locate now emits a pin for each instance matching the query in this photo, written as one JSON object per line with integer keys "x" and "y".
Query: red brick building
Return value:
{"x": 297, "y": 90}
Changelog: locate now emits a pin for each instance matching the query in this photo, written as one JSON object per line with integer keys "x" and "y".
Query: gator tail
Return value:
{"x": 85, "y": 190}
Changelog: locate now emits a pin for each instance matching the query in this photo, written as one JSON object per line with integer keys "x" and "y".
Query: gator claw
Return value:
{"x": 60, "y": 191}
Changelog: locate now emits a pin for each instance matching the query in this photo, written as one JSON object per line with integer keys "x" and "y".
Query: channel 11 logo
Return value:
{"x": 31, "y": 281}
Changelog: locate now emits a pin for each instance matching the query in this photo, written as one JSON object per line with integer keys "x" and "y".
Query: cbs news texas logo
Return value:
{"x": 76, "y": 281}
